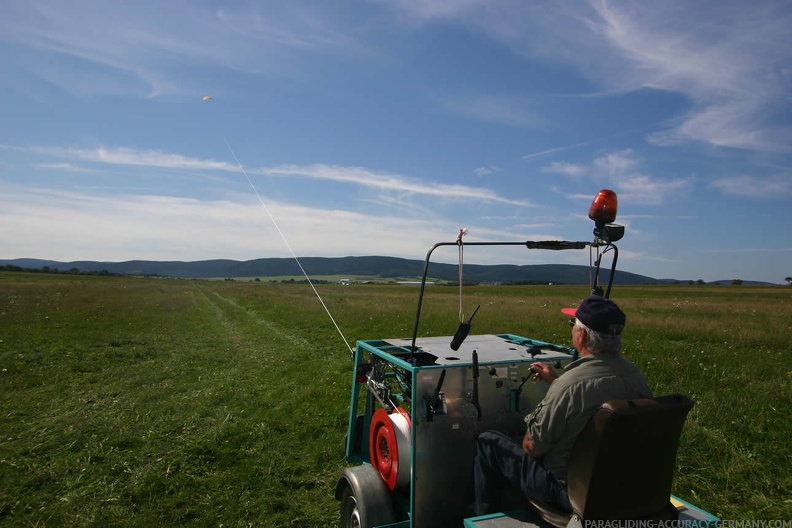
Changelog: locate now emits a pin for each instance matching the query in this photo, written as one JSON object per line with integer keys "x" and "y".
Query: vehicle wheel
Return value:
{"x": 350, "y": 515}
{"x": 365, "y": 499}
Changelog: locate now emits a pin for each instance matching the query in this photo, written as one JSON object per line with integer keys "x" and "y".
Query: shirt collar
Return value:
{"x": 586, "y": 359}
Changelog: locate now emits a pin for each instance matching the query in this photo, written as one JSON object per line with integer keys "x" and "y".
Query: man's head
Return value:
{"x": 602, "y": 321}
{"x": 599, "y": 314}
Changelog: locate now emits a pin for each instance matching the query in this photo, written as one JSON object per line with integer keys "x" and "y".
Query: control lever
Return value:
{"x": 438, "y": 406}
{"x": 462, "y": 331}
{"x": 475, "y": 399}
{"x": 438, "y": 389}
{"x": 514, "y": 394}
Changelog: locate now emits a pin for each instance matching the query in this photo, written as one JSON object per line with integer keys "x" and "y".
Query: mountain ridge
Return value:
{"x": 376, "y": 266}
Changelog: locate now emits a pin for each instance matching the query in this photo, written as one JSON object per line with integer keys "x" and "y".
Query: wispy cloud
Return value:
{"x": 643, "y": 189}
{"x": 145, "y": 158}
{"x": 748, "y": 250}
{"x": 67, "y": 167}
{"x": 485, "y": 171}
{"x": 566, "y": 169}
{"x": 728, "y": 124}
{"x": 389, "y": 182}
{"x": 289, "y": 25}
{"x": 77, "y": 226}
{"x": 131, "y": 51}
{"x": 731, "y": 59}
{"x": 359, "y": 176}
{"x": 553, "y": 151}
{"x": 778, "y": 187}
{"x": 421, "y": 11}
{"x": 623, "y": 171}
{"x": 734, "y": 67}
{"x": 82, "y": 225}
{"x": 616, "y": 164}
{"x": 496, "y": 108}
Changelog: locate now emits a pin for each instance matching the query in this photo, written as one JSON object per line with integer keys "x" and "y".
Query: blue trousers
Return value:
{"x": 501, "y": 463}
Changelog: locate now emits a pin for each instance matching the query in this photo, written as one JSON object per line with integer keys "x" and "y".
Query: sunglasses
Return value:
{"x": 572, "y": 321}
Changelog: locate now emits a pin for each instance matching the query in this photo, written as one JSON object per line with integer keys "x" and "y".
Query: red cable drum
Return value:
{"x": 390, "y": 440}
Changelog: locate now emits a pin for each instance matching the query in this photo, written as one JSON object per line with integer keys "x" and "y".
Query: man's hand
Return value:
{"x": 528, "y": 446}
{"x": 543, "y": 371}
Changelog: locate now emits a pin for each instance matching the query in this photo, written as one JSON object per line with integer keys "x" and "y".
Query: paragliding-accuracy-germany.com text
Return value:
{"x": 690, "y": 523}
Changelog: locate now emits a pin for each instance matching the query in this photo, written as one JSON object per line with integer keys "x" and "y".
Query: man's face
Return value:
{"x": 578, "y": 335}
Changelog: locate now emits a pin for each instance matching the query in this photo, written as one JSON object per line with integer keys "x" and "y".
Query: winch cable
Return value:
{"x": 283, "y": 237}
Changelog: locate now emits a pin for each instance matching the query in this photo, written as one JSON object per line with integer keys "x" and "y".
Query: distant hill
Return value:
{"x": 384, "y": 268}
{"x": 381, "y": 267}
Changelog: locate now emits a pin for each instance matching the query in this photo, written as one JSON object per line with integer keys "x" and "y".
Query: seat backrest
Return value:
{"x": 623, "y": 462}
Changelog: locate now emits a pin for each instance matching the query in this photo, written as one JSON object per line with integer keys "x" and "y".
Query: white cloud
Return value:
{"x": 621, "y": 170}
{"x": 149, "y": 158}
{"x": 777, "y": 187}
{"x": 389, "y": 182}
{"x": 734, "y": 67}
{"x": 730, "y": 124}
{"x": 731, "y": 59}
{"x": 503, "y": 109}
{"x": 749, "y": 250}
{"x": 556, "y": 150}
{"x": 420, "y": 11}
{"x": 140, "y": 47}
{"x": 485, "y": 171}
{"x": 618, "y": 163}
{"x": 566, "y": 169}
{"x": 64, "y": 166}
{"x": 643, "y": 189}
{"x": 359, "y": 176}
{"x": 82, "y": 226}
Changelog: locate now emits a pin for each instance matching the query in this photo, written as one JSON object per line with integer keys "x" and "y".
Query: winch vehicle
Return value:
{"x": 419, "y": 403}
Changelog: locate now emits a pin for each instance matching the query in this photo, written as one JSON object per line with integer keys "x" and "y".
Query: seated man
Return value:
{"x": 539, "y": 467}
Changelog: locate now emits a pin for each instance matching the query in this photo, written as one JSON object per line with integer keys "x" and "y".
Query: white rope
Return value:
{"x": 462, "y": 232}
{"x": 401, "y": 428}
{"x": 351, "y": 350}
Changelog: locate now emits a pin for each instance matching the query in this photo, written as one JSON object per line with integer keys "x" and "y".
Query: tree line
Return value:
{"x": 47, "y": 269}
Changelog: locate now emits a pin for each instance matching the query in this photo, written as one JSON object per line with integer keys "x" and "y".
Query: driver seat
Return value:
{"x": 622, "y": 464}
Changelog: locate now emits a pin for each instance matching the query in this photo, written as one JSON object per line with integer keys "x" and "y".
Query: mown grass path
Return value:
{"x": 151, "y": 403}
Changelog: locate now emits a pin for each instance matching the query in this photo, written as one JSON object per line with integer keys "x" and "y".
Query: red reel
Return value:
{"x": 390, "y": 438}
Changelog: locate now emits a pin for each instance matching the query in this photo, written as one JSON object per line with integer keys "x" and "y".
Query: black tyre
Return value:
{"x": 350, "y": 514}
{"x": 365, "y": 499}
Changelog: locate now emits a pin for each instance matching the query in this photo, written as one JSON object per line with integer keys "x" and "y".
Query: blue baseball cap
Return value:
{"x": 600, "y": 314}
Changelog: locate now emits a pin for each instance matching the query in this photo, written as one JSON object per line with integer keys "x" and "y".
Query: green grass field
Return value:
{"x": 144, "y": 402}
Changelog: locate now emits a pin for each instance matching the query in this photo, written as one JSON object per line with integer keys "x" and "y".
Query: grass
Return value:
{"x": 145, "y": 402}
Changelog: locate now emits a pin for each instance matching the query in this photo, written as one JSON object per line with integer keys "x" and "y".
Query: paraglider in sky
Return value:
{"x": 207, "y": 97}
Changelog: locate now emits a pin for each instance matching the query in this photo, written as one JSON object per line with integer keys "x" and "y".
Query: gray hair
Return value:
{"x": 598, "y": 343}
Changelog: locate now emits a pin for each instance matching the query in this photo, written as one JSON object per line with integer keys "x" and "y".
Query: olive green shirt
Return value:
{"x": 573, "y": 398}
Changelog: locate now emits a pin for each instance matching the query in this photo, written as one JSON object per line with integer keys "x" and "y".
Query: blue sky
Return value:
{"x": 373, "y": 127}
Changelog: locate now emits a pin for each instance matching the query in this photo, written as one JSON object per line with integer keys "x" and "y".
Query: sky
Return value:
{"x": 380, "y": 127}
